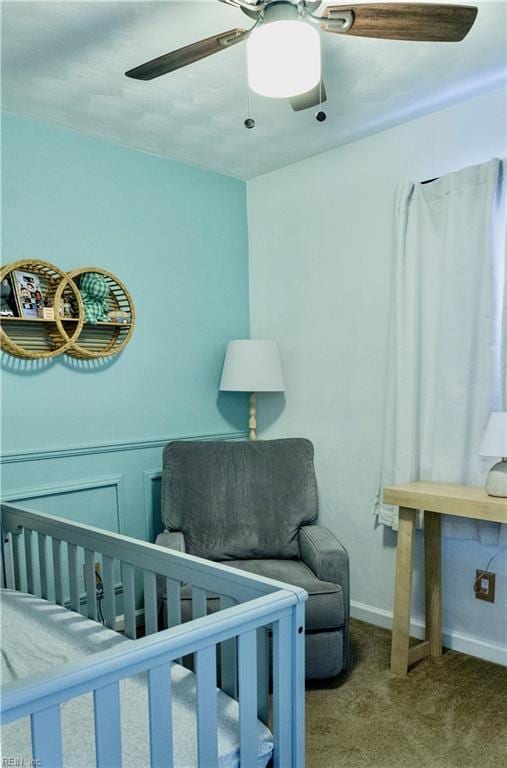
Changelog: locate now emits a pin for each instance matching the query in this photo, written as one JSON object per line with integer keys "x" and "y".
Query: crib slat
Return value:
{"x": 129, "y": 599}
{"x": 3, "y": 569}
{"x": 90, "y": 586}
{"x": 29, "y": 561}
{"x": 73, "y": 578}
{"x": 282, "y": 706}
{"x": 199, "y": 602}
{"x": 57, "y": 571}
{"x": 161, "y": 734}
{"x": 298, "y": 685}
{"x": 47, "y": 737}
{"x": 228, "y": 657}
{"x": 108, "y": 582}
{"x": 107, "y": 726}
{"x": 173, "y": 602}
{"x": 43, "y": 568}
{"x": 206, "y": 699}
{"x": 263, "y": 674}
{"x": 247, "y": 674}
{"x": 150, "y": 602}
{"x": 8, "y": 561}
{"x": 16, "y": 560}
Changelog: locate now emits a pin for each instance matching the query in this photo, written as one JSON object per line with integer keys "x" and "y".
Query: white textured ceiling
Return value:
{"x": 63, "y": 63}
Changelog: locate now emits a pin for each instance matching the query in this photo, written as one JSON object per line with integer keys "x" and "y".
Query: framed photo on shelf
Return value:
{"x": 8, "y": 304}
{"x": 29, "y": 293}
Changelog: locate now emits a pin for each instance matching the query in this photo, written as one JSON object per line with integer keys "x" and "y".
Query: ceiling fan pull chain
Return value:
{"x": 320, "y": 115}
{"x": 249, "y": 122}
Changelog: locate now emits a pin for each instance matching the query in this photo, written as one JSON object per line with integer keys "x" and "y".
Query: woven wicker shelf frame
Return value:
{"x": 104, "y": 339}
{"x": 36, "y": 338}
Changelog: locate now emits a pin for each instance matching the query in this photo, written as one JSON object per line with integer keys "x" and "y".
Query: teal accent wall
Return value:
{"x": 84, "y": 439}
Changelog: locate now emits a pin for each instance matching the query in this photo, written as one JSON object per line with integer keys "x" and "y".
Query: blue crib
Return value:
{"x": 260, "y": 625}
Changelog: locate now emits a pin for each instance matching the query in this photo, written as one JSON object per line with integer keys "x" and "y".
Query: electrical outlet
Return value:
{"x": 485, "y": 586}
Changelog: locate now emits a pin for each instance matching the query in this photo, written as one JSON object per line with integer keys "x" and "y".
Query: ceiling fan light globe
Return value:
{"x": 283, "y": 59}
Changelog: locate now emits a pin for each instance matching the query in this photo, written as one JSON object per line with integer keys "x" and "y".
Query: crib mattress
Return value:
{"x": 38, "y": 635}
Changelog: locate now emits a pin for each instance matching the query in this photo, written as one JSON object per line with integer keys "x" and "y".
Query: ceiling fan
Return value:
{"x": 283, "y": 46}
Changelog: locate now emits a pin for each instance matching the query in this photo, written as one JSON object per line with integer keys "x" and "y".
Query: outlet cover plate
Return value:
{"x": 485, "y": 586}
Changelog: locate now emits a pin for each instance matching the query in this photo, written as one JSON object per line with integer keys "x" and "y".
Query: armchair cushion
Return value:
{"x": 239, "y": 500}
{"x": 325, "y": 606}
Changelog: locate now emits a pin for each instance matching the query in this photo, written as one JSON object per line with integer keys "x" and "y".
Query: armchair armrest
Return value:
{"x": 328, "y": 559}
{"x": 324, "y": 554}
{"x": 171, "y": 540}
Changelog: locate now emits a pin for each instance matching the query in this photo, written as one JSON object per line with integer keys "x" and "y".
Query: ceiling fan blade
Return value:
{"x": 309, "y": 99}
{"x": 187, "y": 55}
{"x": 401, "y": 21}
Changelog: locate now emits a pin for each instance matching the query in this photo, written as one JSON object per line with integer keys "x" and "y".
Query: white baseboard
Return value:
{"x": 457, "y": 641}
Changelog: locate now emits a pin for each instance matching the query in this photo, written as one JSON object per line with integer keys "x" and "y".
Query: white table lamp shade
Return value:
{"x": 494, "y": 442}
{"x": 252, "y": 366}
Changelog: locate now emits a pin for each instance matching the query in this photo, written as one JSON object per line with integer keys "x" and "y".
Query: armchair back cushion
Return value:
{"x": 238, "y": 500}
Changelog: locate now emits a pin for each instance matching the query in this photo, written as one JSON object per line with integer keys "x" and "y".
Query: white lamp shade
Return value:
{"x": 283, "y": 58}
{"x": 252, "y": 365}
{"x": 494, "y": 442}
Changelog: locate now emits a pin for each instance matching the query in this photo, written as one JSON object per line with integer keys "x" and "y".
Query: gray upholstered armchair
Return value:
{"x": 253, "y": 505}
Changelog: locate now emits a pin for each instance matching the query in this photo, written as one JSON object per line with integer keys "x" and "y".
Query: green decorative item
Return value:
{"x": 95, "y": 293}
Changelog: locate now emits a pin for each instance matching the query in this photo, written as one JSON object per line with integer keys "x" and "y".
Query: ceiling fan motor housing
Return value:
{"x": 280, "y": 10}
{"x": 276, "y": 10}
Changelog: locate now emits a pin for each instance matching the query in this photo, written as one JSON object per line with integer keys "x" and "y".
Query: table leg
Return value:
{"x": 433, "y": 581}
{"x": 403, "y": 591}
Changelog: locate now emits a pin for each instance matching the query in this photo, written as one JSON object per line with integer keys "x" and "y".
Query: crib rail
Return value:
{"x": 44, "y": 556}
{"x": 20, "y": 523}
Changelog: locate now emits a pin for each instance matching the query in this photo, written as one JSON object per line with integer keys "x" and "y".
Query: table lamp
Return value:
{"x": 252, "y": 365}
{"x": 494, "y": 443}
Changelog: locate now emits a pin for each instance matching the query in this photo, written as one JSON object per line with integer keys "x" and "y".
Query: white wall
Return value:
{"x": 320, "y": 261}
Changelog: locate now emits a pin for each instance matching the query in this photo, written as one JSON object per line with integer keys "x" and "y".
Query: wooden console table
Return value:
{"x": 435, "y": 499}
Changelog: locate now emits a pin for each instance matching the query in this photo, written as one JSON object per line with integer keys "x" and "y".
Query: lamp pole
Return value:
{"x": 252, "y": 421}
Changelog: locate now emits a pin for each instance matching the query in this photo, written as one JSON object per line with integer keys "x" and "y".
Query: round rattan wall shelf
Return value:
{"x": 105, "y": 337}
{"x": 28, "y": 335}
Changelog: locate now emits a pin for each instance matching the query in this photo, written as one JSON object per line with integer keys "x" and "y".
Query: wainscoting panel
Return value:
{"x": 152, "y": 488}
{"x": 97, "y": 501}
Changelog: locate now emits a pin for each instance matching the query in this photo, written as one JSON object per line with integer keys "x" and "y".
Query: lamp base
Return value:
{"x": 496, "y": 483}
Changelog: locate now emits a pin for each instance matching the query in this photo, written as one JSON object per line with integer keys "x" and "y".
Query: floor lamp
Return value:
{"x": 253, "y": 366}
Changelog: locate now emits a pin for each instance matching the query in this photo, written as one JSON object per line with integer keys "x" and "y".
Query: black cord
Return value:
{"x": 100, "y": 597}
{"x": 479, "y": 577}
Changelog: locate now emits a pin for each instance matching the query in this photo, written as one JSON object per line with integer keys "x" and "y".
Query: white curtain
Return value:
{"x": 448, "y": 335}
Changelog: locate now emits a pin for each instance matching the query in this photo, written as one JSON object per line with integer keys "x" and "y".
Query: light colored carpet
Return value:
{"x": 447, "y": 713}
